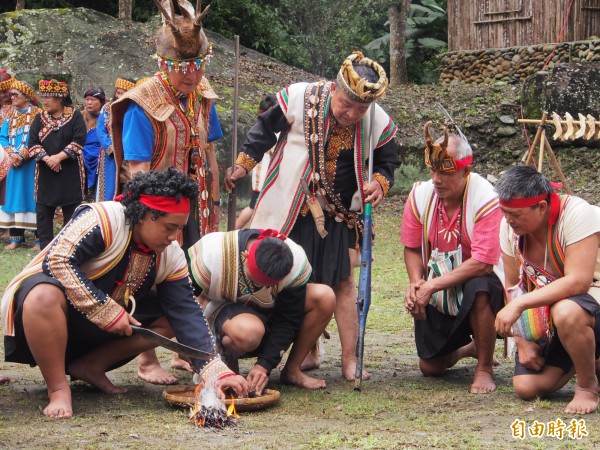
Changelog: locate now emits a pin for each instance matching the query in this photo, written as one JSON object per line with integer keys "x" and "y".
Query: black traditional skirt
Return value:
{"x": 83, "y": 335}
{"x": 328, "y": 256}
{"x": 441, "y": 334}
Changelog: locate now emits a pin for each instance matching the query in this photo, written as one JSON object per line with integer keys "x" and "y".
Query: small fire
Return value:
{"x": 209, "y": 411}
{"x": 231, "y": 409}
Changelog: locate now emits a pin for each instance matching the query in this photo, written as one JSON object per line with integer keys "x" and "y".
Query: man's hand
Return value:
{"x": 232, "y": 175}
{"x": 258, "y": 378}
{"x": 423, "y": 296}
{"x": 506, "y": 317}
{"x": 411, "y": 297}
{"x": 234, "y": 382}
{"x": 374, "y": 193}
{"x": 122, "y": 327}
{"x": 530, "y": 354}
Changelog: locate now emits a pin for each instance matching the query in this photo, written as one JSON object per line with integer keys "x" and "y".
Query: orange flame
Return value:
{"x": 198, "y": 419}
{"x": 231, "y": 409}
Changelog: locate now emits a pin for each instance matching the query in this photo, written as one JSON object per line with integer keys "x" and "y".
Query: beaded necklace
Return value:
{"x": 56, "y": 123}
{"x": 196, "y": 160}
{"x": 452, "y": 230}
{"x": 190, "y": 114}
{"x": 321, "y": 184}
{"x": 20, "y": 119}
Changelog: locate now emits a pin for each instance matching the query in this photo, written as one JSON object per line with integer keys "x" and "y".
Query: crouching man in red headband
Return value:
{"x": 552, "y": 265}
{"x": 257, "y": 301}
{"x": 71, "y": 307}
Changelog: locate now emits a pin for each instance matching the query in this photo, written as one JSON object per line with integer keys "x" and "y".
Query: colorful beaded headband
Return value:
{"x": 183, "y": 65}
{"x": 23, "y": 87}
{"x": 357, "y": 88}
{"x": 448, "y": 163}
{"x": 124, "y": 84}
{"x": 53, "y": 88}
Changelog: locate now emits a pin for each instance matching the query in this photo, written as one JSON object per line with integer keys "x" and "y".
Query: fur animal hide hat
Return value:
{"x": 180, "y": 41}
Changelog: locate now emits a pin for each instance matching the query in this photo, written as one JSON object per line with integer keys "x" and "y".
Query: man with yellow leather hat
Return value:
{"x": 320, "y": 155}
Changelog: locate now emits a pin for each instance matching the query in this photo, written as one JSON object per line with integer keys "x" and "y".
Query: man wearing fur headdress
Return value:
{"x": 169, "y": 121}
{"x": 450, "y": 230}
{"x": 324, "y": 140}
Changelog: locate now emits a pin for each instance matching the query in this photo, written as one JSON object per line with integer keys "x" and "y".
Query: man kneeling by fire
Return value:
{"x": 67, "y": 308}
{"x": 257, "y": 301}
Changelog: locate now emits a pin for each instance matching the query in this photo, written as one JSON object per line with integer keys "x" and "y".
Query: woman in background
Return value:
{"x": 18, "y": 212}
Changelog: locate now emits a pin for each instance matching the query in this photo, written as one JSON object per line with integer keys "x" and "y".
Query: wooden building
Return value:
{"x": 482, "y": 24}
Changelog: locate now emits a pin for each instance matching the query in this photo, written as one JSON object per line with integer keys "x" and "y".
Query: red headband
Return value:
{"x": 169, "y": 205}
{"x": 254, "y": 271}
{"x": 532, "y": 201}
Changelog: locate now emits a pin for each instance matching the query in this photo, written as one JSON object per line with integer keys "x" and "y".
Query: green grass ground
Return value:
{"x": 397, "y": 408}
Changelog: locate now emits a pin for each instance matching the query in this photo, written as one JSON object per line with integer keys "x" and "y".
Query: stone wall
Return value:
{"x": 512, "y": 65}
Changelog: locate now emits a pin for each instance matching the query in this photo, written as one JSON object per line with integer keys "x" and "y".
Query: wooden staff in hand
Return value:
{"x": 231, "y": 206}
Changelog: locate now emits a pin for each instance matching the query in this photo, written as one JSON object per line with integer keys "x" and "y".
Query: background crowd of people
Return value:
{"x": 54, "y": 155}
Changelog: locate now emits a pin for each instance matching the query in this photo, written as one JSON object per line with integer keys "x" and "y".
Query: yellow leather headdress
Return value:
{"x": 358, "y": 88}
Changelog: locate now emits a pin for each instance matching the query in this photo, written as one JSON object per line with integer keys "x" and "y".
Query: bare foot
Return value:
{"x": 180, "y": 364}
{"x": 598, "y": 373}
{"x": 299, "y": 378}
{"x": 12, "y": 246}
{"x": 311, "y": 362}
{"x": 483, "y": 382}
{"x": 36, "y": 248}
{"x": 60, "y": 406}
{"x": 470, "y": 351}
{"x": 153, "y": 373}
{"x": 349, "y": 369}
{"x": 93, "y": 376}
{"x": 4, "y": 379}
{"x": 584, "y": 401}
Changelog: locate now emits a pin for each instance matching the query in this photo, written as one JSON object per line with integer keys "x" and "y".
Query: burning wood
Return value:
{"x": 209, "y": 411}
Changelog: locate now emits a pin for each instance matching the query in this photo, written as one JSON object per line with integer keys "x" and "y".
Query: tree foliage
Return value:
{"x": 426, "y": 37}
{"x": 315, "y": 35}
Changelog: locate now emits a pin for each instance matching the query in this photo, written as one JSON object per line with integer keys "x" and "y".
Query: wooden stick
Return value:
{"x": 541, "y": 155}
{"x": 537, "y": 138}
{"x": 556, "y": 165}
{"x": 231, "y": 206}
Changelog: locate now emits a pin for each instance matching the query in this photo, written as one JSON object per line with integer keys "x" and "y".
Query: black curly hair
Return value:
{"x": 168, "y": 183}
